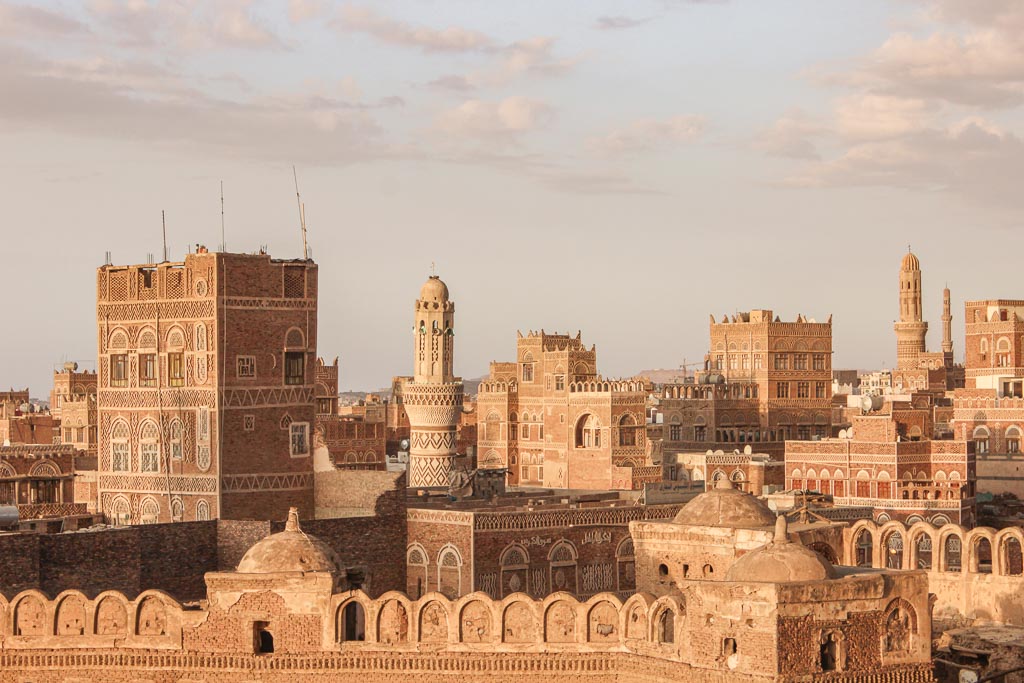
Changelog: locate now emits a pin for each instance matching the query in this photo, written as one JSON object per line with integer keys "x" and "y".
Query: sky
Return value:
{"x": 620, "y": 168}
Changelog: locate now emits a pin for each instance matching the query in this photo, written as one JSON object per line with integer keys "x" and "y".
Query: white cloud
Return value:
{"x": 792, "y": 136}
{"x": 394, "y": 32}
{"x": 509, "y": 117}
{"x": 618, "y": 22}
{"x": 24, "y": 21}
{"x": 648, "y": 134}
{"x": 185, "y": 25}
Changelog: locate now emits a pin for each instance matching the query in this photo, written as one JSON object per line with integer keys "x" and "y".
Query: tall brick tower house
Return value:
{"x": 206, "y": 390}
{"x": 433, "y": 399}
{"x": 911, "y": 328}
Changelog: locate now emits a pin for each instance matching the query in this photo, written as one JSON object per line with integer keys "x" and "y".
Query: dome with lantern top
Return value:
{"x": 724, "y": 506}
{"x": 434, "y": 289}
{"x": 781, "y": 561}
{"x": 291, "y": 550}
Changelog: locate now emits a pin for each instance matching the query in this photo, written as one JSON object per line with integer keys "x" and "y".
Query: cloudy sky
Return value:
{"x": 621, "y": 168}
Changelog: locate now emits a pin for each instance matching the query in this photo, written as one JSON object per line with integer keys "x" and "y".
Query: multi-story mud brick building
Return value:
{"x": 990, "y": 410}
{"x": 888, "y": 462}
{"x": 206, "y": 392}
{"x": 355, "y": 440}
{"x": 765, "y": 381}
{"x": 553, "y": 421}
{"x": 73, "y": 402}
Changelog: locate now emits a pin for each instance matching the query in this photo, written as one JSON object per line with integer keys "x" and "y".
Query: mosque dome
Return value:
{"x": 724, "y": 506}
{"x": 781, "y": 561}
{"x": 434, "y": 289}
{"x": 291, "y": 550}
{"x": 910, "y": 262}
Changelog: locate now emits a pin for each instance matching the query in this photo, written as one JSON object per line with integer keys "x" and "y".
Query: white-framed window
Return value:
{"x": 175, "y": 439}
{"x": 149, "y": 448}
{"x": 245, "y": 367}
{"x": 120, "y": 455}
{"x": 298, "y": 433}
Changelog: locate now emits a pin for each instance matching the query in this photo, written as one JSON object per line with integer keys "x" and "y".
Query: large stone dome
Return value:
{"x": 781, "y": 561}
{"x": 291, "y": 550}
{"x": 910, "y": 262}
{"x": 434, "y": 289}
{"x": 724, "y": 506}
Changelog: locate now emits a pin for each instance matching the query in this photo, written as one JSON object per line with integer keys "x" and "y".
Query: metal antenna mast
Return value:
{"x": 302, "y": 215}
{"x": 223, "y": 240}
{"x": 163, "y": 222}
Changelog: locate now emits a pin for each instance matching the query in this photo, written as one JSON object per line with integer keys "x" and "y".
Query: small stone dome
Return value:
{"x": 910, "y": 262}
{"x": 291, "y": 550}
{"x": 434, "y": 289}
{"x": 724, "y": 506}
{"x": 781, "y": 561}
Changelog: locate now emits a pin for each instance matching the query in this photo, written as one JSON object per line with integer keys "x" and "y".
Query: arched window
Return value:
{"x": 1012, "y": 561}
{"x": 627, "y": 431}
{"x": 864, "y": 548}
{"x": 175, "y": 436}
{"x": 923, "y": 548}
{"x": 900, "y": 624}
{"x": 120, "y": 454}
{"x": 449, "y": 572}
{"x": 952, "y": 548}
{"x": 417, "y": 573}
{"x": 1013, "y": 439}
{"x": 894, "y": 551}
{"x": 352, "y": 622}
{"x": 588, "y": 431}
{"x": 120, "y": 511}
{"x": 626, "y": 561}
{"x": 562, "y": 559}
{"x": 202, "y": 511}
{"x": 515, "y": 566}
{"x": 149, "y": 447}
{"x": 149, "y": 511}
{"x": 981, "y": 435}
{"x": 177, "y": 509}
{"x": 666, "y": 626}
{"x": 492, "y": 428}
{"x": 981, "y": 556}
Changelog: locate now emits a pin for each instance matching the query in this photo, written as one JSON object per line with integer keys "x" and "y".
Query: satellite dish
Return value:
{"x": 849, "y": 433}
{"x": 842, "y": 433}
{"x": 403, "y": 445}
{"x": 710, "y": 452}
{"x": 747, "y": 450}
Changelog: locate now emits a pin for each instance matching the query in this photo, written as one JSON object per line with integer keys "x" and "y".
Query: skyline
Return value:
{"x": 567, "y": 167}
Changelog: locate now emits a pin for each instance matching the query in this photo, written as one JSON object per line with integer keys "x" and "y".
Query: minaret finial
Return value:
{"x": 908, "y": 247}
{"x": 293, "y": 520}
{"x": 433, "y": 269}
{"x": 781, "y": 529}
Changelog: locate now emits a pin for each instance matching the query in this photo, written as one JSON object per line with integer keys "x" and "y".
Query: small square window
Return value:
{"x": 119, "y": 370}
{"x": 249, "y": 423}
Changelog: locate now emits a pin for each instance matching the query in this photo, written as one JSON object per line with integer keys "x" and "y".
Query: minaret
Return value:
{"x": 947, "y": 329}
{"x": 433, "y": 400}
{"x": 911, "y": 329}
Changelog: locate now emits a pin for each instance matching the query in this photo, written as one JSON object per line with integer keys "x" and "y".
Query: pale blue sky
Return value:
{"x": 620, "y": 168}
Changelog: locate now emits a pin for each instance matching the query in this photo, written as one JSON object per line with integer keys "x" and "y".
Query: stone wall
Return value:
{"x": 975, "y": 574}
{"x": 473, "y": 638}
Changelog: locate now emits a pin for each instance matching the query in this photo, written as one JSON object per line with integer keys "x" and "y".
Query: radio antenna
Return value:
{"x": 223, "y": 240}
{"x": 302, "y": 215}
{"x": 163, "y": 223}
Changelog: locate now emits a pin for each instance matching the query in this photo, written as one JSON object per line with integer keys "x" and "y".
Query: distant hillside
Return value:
{"x": 663, "y": 375}
{"x": 470, "y": 387}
